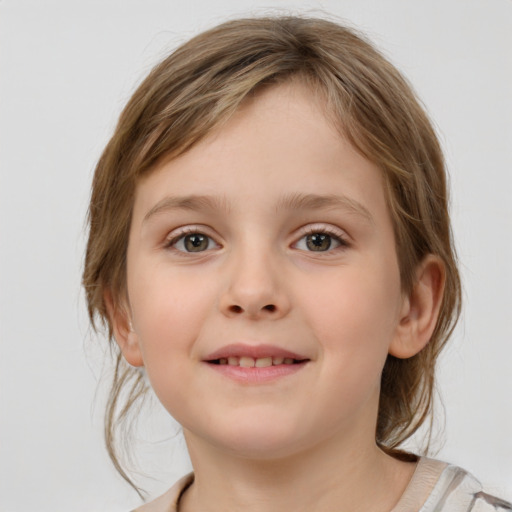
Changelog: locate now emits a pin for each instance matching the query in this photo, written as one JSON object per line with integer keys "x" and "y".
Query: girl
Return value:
{"x": 270, "y": 242}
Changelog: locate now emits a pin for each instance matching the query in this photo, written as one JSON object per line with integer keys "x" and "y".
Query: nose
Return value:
{"x": 255, "y": 288}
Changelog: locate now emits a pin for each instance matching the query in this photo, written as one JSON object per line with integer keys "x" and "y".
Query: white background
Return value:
{"x": 66, "y": 70}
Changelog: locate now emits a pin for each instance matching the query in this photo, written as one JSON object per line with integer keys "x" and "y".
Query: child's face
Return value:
{"x": 271, "y": 235}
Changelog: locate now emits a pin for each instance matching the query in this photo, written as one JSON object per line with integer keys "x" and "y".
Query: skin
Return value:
{"x": 304, "y": 442}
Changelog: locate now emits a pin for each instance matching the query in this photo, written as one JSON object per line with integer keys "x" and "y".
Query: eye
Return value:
{"x": 320, "y": 241}
{"x": 192, "y": 242}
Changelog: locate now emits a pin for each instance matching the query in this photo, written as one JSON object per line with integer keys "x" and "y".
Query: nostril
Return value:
{"x": 236, "y": 309}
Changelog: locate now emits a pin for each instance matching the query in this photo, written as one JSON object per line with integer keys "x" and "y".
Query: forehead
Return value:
{"x": 280, "y": 138}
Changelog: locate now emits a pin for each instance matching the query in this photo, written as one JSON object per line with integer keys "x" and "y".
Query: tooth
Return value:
{"x": 233, "y": 361}
{"x": 277, "y": 360}
{"x": 288, "y": 360}
{"x": 247, "y": 362}
{"x": 263, "y": 362}
{"x": 223, "y": 360}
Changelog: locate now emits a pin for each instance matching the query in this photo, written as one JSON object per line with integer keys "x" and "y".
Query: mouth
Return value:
{"x": 252, "y": 364}
{"x": 254, "y": 356}
{"x": 260, "y": 362}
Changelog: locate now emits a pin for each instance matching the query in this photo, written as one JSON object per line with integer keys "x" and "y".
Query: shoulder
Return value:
{"x": 458, "y": 491}
{"x": 168, "y": 502}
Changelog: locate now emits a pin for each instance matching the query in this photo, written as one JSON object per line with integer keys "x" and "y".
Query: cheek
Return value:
{"x": 354, "y": 315}
{"x": 164, "y": 299}
{"x": 169, "y": 309}
{"x": 356, "y": 301}
{"x": 168, "y": 324}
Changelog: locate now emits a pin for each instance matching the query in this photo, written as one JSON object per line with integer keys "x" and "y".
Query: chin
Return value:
{"x": 259, "y": 440}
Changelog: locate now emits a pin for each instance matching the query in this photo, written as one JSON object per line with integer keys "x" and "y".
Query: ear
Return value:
{"x": 420, "y": 309}
{"x": 123, "y": 331}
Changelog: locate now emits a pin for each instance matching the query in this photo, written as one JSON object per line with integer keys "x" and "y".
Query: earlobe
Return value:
{"x": 420, "y": 309}
{"x": 123, "y": 331}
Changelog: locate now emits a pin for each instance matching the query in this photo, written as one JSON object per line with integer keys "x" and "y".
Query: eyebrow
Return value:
{"x": 296, "y": 201}
{"x": 192, "y": 202}
{"x": 316, "y": 202}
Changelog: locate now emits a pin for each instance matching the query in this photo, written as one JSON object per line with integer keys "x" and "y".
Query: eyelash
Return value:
{"x": 334, "y": 234}
{"x": 171, "y": 243}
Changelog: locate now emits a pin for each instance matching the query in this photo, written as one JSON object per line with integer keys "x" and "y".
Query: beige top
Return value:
{"x": 434, "y": 487}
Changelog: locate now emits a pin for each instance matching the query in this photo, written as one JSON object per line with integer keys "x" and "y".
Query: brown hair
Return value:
{"x": 199, "y": 86}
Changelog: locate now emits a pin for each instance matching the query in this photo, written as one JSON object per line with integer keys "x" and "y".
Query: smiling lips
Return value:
{"x": 253, "y": 364}
{"x": 244, "y": 355}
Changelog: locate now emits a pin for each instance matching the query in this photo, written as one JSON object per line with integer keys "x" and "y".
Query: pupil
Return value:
{"x": 196, "y": 243}
{"x": 318, "y": 242}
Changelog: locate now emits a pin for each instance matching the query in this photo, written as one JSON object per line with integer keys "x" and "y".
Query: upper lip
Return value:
{"x": 254, "y": 351}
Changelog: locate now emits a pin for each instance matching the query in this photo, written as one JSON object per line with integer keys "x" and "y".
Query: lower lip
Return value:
{"x": 256, "y": 375}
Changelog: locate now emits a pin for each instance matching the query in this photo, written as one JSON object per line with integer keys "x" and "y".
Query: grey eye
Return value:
{"x": 318, "y": 242}
{"x": 194, "y": 242}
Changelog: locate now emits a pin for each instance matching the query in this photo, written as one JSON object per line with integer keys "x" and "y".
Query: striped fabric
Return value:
{"x": 458, "y": 491}
{"x": 434, "y": 487}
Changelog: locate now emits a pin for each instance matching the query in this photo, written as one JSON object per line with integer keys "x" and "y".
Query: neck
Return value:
{"x": 332, "y": 476}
